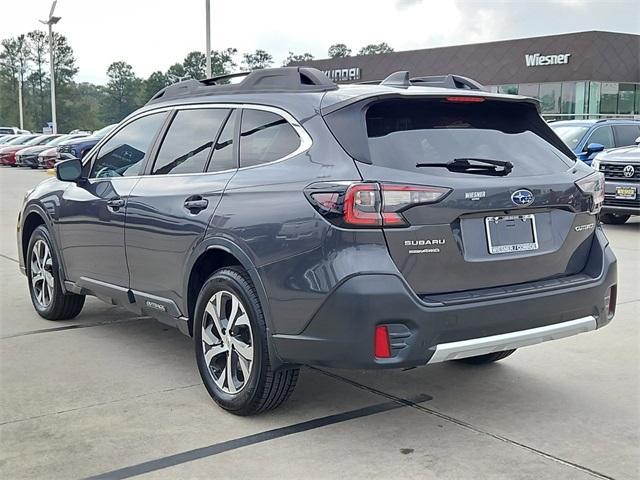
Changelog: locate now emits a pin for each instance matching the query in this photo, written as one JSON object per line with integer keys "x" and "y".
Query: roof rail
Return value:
{"x": 401, "y": 79}
{"x": 285, "y": 79}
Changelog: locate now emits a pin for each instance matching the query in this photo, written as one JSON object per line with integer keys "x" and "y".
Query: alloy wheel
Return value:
{"x": 227, "y": 342}
{"x": 42, "y": 273}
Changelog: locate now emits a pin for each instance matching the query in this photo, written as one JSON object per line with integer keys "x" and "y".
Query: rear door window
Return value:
{"x": 626, "y": 134}
{"x": 403, "y": 133}
{"x": 602, "y": 135}
{"x": 265, "y": 137}
{"x": 187, "y": 144}
{"x": 223, "y": 157}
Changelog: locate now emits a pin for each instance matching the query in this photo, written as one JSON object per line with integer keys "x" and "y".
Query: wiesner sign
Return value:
{"x": 537, "y": 60}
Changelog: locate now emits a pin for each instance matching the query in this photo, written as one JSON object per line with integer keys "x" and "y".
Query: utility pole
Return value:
{"x": 208, "y": 28}
{"x": 20, "y": 99}
{"x": 51, "y": 21}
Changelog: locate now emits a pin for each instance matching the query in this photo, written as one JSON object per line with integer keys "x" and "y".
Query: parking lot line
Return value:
{"x": 218, "y": 448}
{"x": 466, "y": 425}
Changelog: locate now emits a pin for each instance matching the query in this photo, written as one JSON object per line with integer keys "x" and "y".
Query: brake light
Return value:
{"x": 593, "y": 185}
{"x": 465, "y": 99}
{"x": 371, "y": 204}
{"x": 382, "y": 345}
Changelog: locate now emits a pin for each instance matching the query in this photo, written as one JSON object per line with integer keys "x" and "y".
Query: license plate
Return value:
{"x": 626, "y": 193}
{"x": 511, "y": 233}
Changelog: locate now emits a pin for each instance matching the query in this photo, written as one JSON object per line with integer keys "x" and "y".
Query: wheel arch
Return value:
{"x": 32, "y": 218}
{"x": 211, "y": 255}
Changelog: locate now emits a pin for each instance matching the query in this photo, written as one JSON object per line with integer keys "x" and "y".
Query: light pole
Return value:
{"x": 208, "y": 27}
{"x": 51, "y": 21}
{"x": 20, "y": 98}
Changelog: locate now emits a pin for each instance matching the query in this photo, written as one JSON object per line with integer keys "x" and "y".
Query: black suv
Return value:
{"x": 283, "y": 220}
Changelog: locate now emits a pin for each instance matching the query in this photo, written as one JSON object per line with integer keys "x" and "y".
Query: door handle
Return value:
{"x": 115, "y": 203}
{"x": 196, "y": 204}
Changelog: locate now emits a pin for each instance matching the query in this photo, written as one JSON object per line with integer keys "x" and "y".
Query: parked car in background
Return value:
{"x": 6, "y": 138}
{"x": 621, "y": 169}
{"x": 587, "y": 138}
{"x": 12, "y": 130}
{"x": 79, "y": 147}
{"x": 7, "y": 151}
{"x": 8, "y": 155}
{"x": 28, "y": 157}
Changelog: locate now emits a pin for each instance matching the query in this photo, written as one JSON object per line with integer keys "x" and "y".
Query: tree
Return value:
{"x": 257, "y": 60}
{"x": 222, "y": 61}
{"x": 176, "y": 73}
{"x": 195, "y": 64}
{"x": 38, "y": 80}
{"x": 293, "y": 58}
{"x": 13, "y": 69}
{"x": 121, "y": 92}
{"x": 338, "y": 50}
{"x": 375, "y": 48}
{"x": 152, "y": 85}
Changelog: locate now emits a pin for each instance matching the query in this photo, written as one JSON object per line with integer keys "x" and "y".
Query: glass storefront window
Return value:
{"x": 568, "y": 97}
{"x": 626, "y": 98}
{"x": 511, "y": 89}
{"x": 529, "y": 89}
{"x": 594, "y": 97}
{"x": 582, "y": 97}
{"x": 609, "y": 97}
{"x": 550, "y": 97}
{"x": 637, "y": 107}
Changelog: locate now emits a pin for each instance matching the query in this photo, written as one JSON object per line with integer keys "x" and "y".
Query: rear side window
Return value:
{"x": 265, "y": 137}
{"x": 187, "y": 144}
{"x": 626, "y": 134}
{"x": 223, "y": 157}
{"x": 123, "y": 154}
{"x": 603, "y": 135}
{"x": 403, "y": 133}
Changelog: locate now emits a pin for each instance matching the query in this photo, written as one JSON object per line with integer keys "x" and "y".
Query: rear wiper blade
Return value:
{"x": 478, "y": 166}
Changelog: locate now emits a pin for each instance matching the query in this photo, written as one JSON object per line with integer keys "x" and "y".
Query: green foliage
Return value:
{"x": 122, "y": 93}
{"x": 152, "y": 85}
{"x": 338, "y": 50}
{"x": 293, "y": 58}
{"x": 375, "y": 48}
{"x": 257, "y": 60}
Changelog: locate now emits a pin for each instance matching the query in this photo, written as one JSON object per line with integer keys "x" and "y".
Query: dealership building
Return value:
{"x": 576, "y": 75}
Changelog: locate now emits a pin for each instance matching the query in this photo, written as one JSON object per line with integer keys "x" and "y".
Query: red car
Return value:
{"x": 8, "y": 151}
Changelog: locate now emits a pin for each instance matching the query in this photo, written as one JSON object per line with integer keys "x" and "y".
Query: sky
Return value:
{"x": 152, "y": 35}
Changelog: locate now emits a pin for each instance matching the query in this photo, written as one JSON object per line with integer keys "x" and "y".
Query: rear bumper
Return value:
{"x": 341, "y": 332}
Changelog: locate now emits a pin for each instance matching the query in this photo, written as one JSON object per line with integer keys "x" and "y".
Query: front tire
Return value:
{"x": 231, "y": 347}
{"x": 485, "y": 359}
{"x": 46, "y": 292}
{"x": 614, "y": 218}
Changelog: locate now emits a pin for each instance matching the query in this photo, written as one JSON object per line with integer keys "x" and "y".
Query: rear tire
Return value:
{"x": 47, "y": 296}
{"x": 484, "y": 359}
{"x": 231, "y": 347}
{"x": 614, "y": 218}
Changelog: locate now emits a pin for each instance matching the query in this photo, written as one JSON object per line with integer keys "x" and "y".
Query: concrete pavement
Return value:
{"x": 113, "y": 395}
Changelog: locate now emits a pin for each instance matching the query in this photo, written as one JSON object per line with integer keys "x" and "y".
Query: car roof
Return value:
{"x": 297, "y": 89}
{"x": 591, "y": 122}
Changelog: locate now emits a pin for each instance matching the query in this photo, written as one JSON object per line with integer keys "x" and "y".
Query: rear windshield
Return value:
{"x": 402, "y": 133}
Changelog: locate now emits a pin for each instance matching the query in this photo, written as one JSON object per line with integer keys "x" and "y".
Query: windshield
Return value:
{"x": 63, "y": 138}
{"x": 6, "y": 139}
{"x": 103, "y": 131}
{"x": 570, "y": 134}
{"x": 39, "y": 140}
{"x": 21, "y": 140}
{"x": 405, "y": 133}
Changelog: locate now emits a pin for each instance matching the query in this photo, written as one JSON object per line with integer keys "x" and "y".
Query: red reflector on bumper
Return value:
{"x": 382, "y": 347}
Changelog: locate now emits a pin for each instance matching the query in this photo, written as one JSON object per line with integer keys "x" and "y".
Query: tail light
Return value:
{"x": 370, "y": 204}
{"x": 464, "y": 99}
{"x": 593, "y": 185}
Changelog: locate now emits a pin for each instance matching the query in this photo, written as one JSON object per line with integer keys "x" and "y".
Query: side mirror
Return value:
{"x": 69, "y": 170}
{"x": 594, "y": 148}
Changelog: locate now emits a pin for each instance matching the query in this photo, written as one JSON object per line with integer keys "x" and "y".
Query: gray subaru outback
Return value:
{"x": 284, "y": 220}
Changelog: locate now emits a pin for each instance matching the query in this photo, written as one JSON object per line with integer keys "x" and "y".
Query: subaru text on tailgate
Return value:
{"x": 285, "y": 220}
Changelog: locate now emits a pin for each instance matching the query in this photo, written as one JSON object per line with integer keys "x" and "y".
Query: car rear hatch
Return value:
{"x": 476, "y": 192}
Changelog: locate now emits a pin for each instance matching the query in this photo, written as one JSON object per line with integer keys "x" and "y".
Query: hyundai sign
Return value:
{"x": 343, "y": 74}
